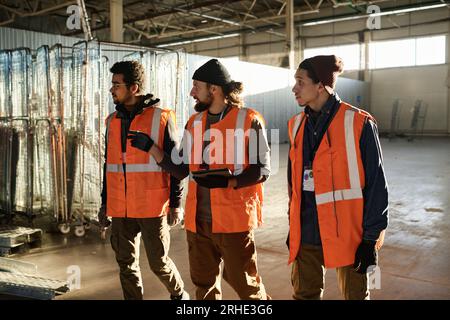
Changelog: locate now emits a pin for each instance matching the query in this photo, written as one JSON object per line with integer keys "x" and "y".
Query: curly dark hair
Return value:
{"x": 232, "y": 93}
{"x": 133, "y": 73}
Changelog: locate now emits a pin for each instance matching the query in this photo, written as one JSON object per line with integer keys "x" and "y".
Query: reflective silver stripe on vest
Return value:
{"x": 189, "y": 142}
{"x": 114, "y": 168}
{"x": 239, "y": 144}
{"x": 108, "y": 124}
{"x": 353, "y": 170}
{"x": 337, "y": 195}
{"x": 355, "y": 191}
{"x": 151, "y": 166}
{"x": 298, "y": 121}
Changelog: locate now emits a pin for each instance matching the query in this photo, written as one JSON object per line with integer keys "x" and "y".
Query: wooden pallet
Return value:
{"x": 15, "y": 240}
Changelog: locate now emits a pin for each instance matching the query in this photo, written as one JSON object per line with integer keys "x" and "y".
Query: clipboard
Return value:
{"x": 219, "y": 172}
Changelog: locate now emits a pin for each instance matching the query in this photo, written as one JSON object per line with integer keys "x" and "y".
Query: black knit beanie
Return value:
{"x": 213, "y": 72}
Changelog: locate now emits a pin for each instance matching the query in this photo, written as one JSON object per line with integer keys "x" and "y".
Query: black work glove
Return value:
{"x": 103, "y": 221}
{"x": 140, "y": 140}
{"x": 212, "y": 181}
{"x": 366, "y": 255}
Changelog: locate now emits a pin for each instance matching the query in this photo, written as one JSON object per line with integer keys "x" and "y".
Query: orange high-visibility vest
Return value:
{"x": 338, "y": 183}
{"x": 232, "y": 210}
{"x": 145, "y": 193}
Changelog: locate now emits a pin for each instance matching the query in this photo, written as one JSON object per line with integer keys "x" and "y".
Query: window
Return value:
{"x": 387, "y": 54}
{"x": 430, "y": 50}
{"x": 407, "y": 52}
{"x": 350, "y": 54}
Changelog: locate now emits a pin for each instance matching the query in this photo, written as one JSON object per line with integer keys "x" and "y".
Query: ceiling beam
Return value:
{"x": 267, "y": 27}
{"x": 148, "y": 16}
{"x": 40, "y": 12}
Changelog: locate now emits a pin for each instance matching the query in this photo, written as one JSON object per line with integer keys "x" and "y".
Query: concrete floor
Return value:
{"x": 414, "y": 261}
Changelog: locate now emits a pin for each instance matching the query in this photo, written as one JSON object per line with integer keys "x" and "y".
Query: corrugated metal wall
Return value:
{"x": 15, "y": 38}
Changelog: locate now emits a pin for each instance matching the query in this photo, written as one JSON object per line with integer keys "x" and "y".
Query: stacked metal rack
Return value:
{"x": 53, "y": 103}
{"x": 88, "y": 101}
{"x": 16, "y": 147}
{"x": 52, "y": 110}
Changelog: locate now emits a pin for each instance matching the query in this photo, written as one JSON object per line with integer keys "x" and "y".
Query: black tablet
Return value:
{"x": 220, "y": 172}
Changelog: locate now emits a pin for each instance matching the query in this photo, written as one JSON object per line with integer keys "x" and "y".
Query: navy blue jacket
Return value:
{"x": 375, "y": 192}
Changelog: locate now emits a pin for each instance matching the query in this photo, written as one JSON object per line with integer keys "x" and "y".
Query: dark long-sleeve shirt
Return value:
{"x": 375, "y": 192}
{"x": 170, "y": 141}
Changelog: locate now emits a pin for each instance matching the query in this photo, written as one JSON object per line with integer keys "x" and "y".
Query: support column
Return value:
{"x": 299, "y": 53}
{"x": 367, "y": 74}
{"x": 362, "y": 56}
{"x": 94, "y": 24}
{"x": 242, "y": 47}
{"x": 290, "y": 33}
{"x": 116, "y": 16}
{"x": 365, "y": 56}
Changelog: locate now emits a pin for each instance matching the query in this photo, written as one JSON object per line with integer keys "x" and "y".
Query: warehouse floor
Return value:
{"x": 414, "y": 261}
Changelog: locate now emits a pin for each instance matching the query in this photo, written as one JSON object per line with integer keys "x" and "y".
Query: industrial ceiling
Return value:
{"x": 168, "y": 21}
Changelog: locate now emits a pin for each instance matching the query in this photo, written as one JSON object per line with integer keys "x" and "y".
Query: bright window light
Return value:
{"x": 388, "y": 54}
{"x": 231, "y": 59}
{"x": 430, "y": 50}
{"x": 348, "y": 53}
{"x": 407, "y": 52}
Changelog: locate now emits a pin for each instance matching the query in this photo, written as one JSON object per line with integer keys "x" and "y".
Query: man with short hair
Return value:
{"x": 137, "y": 194}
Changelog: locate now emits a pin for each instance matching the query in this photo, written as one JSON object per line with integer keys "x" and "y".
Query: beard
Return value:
{"x": 202, "y": 106}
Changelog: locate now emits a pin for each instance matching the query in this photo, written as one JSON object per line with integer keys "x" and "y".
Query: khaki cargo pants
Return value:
{"x": 238, "y": 253}
{"x": 308, "y": 277}
{"x": 125, "y": 240}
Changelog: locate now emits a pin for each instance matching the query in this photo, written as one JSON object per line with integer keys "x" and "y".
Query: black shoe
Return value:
{"x": 183, "y": 296}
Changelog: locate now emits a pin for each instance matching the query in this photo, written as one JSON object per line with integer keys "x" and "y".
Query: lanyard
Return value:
{"x": 206, "y": 142}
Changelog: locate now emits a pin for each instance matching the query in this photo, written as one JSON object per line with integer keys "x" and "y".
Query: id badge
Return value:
{"x": 308, "y": 180}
